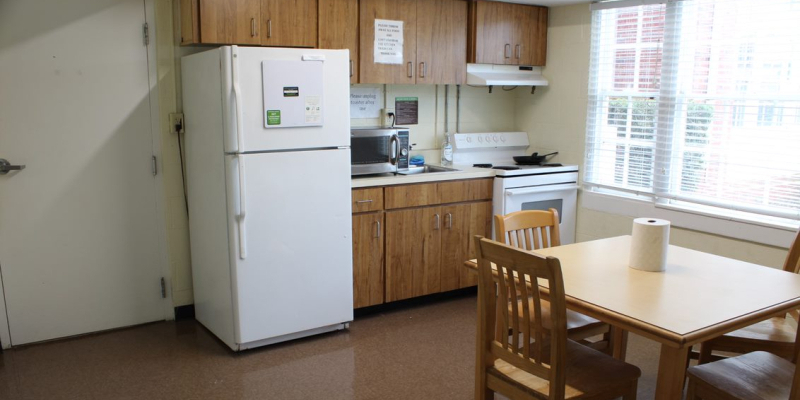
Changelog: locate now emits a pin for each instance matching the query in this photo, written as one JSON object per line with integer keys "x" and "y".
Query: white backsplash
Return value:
{"x": 481, "y": 111}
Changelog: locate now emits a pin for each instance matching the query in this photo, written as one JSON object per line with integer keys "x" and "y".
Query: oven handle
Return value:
{"x": 541, "y": 189}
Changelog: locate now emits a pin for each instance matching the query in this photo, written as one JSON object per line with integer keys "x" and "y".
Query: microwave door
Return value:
{"x": 374, "y": 154}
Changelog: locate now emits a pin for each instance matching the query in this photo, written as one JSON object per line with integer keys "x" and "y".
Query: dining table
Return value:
{"x": 697, "y": 297}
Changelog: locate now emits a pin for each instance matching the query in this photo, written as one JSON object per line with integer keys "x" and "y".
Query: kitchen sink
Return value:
{"x": 427, "y": 169}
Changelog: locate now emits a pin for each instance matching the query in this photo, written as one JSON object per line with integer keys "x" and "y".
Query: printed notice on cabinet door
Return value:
{"x": 388, "y": 41}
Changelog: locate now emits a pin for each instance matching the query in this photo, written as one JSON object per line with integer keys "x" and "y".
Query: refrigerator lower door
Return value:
{"x": 292, "y": 269}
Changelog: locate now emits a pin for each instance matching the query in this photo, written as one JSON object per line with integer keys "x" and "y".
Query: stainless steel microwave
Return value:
{"x": 378, "y": 150}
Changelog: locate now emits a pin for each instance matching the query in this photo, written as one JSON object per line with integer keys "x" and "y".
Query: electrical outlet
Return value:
{"x": 176, "y": 123}
{"x": 386, "y": 116}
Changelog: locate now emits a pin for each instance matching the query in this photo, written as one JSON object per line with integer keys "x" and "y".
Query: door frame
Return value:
{"x": 155, "y": 136}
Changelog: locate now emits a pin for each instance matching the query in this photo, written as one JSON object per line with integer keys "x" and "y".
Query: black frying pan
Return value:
{"x": 533, "y": 159}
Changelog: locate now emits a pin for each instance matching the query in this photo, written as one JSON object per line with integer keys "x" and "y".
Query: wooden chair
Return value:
{"x": 757, "y": 375}
{"x": 527, "y": 363}
{"x": 776, "y": 335}
{"x": 535, "y": 229}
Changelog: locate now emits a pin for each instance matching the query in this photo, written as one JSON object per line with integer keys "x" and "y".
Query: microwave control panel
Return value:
{"x": 402, "y": 158}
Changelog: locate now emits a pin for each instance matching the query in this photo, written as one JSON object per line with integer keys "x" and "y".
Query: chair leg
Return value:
{"x": 631, "y": 395}
{"x": 705, "y": 353}
{"x": 690, "y": 392}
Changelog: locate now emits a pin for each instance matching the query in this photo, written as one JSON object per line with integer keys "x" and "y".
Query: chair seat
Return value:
{"x": 772, "y": 330}
{"x": 758, "y": 375}
{"x": 579, "y": 326}
{"x": 588, "y": 372}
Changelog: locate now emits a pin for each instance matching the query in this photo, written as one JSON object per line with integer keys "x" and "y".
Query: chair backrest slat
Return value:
{"x": 528, "y": 229}
{"x": 514, "y": 270}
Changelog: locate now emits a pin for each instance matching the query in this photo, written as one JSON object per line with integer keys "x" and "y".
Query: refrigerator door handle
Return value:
{"x": 237, "y": 96}
{"x": 242, "y": 209}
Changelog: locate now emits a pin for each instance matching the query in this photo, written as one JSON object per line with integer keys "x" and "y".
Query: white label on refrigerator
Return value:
{"x": 313, "y": 109}
{"x": 388, "y": 42}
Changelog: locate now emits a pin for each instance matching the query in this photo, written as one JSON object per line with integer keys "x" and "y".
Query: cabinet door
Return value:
{"x": 395, "y": 10}
{"x": 455, "y": 244}
{"x": 413, "y": 248}
{"x": 441, "y": 41}
{"x": 368, "y": 284}
{"x": 461, "y": 223}
{"x": 530, "y": 40}
{"x": 491, "y": 34}
{"x": 479, "y": 222}
{"x": 289, "y": 23}
{"x": 229, "y": 21}
{"x": 338, "y": 29}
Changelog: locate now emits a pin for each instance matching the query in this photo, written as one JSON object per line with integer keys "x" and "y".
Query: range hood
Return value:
{"x": 504, "y": 75}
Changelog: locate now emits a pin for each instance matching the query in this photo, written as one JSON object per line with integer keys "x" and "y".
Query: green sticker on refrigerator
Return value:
{"x": 273, "y": 117}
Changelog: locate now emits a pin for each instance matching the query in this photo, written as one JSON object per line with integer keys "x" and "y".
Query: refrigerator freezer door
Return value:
{"x": 246, "y": 64}
{"x": 297, "y": 274}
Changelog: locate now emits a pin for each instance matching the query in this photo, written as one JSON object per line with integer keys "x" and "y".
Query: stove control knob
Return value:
{"x": 469, "y": 139}
{"x": 403, "y": 152}
{"x": 503, "y": 138}
{"x": 494, "y": 138}
{"x": 488, "y": 138}
{"x": 480, "y": 139}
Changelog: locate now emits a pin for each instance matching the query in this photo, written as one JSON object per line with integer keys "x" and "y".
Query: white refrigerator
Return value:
{"x": 268, "y": 179}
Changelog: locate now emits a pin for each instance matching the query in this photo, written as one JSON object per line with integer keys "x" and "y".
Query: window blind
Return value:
{"x": 697, "y": 102}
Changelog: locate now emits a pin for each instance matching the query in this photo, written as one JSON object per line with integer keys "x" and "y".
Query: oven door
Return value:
{"x": 562, "y": 197}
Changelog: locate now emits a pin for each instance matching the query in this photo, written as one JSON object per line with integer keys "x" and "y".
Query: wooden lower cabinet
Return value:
{"x": 461, "y": 223}
{"x": 413, "y": 251}
{"x": 368, "y": 278}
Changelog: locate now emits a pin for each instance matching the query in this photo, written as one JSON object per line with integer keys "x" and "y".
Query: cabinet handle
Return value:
{"x": 449, "y": 221}
{"x": 252, "y": 27}
{"x": 507, "y": 51}
{"x": 437, "y": 222}
{"x": 378, "y": 229}
{"x": 364, "y": 201}
{"x": 351, "y": 68}
{"x": 269, "y": 28}
{"x": 518, "y": 50}
{"x": 410, "y": 70}
{"x": 423, "y": 69}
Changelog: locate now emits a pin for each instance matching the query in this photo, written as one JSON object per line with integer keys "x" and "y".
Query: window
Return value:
{"x": 696, "y": 104}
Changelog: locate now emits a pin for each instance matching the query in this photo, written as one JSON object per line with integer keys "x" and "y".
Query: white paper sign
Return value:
{"x": 365, "y": 102}
{"x": 388, "y": 41}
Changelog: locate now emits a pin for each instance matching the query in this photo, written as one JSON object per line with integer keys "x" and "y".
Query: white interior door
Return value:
{"x": 79, "y": 233}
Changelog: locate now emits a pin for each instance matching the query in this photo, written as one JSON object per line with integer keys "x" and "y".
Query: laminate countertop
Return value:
{"x": 466, "y": 172}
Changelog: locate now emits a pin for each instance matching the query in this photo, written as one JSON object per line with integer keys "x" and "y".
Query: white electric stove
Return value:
{"x": 521, "y": 187}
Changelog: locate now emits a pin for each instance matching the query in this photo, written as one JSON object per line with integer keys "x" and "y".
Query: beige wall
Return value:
{"x": 555, "y": 118}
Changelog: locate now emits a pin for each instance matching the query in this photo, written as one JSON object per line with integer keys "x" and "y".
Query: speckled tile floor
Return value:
{"x": 418, "y": 351}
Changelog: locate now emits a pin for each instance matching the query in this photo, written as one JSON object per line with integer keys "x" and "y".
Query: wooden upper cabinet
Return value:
{"x": 220, "y": 21}
{"x": 394, "y": 10}
{"x": 441, "y": 41}
{"x": 505, "y": 33}
{"x": 289, "y": 23}
{"x": 338, "y": 29}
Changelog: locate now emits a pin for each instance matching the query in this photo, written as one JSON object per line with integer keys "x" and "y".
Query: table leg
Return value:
{"x": 619, "y": 342}
{"x": 671, "y": 371}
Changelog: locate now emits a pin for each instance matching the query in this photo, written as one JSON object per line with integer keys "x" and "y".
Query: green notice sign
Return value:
{"x": 273, "y": 117}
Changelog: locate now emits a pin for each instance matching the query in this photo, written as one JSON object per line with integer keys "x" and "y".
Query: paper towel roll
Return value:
{"x": 649, "y": 244}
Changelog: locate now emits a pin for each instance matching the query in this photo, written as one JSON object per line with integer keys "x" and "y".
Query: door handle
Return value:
{"x": 364, "y": 201}
{"x": 449, "y": 221}
{"x": 351, "y": 68}
{"x": 378, "y": 229}
{"x": 519, "y": 51}
{"x": 423, "y": 69}
{"x": 437, "y": 222}
{"x": 6, "y": 167}
{"x": 252, "y": 27}
{"x": 507, "y": 51}
{"x": 269, "y": 28}
{"x": 410, "y": 70}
